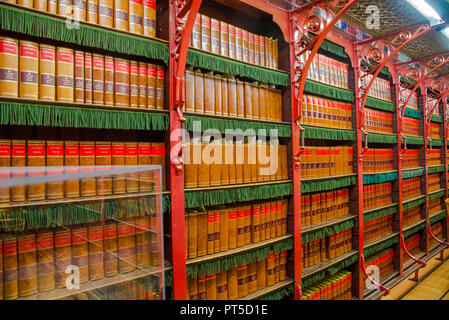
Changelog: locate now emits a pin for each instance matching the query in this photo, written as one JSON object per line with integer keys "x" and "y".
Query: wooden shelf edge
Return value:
{"x": 237, "y": 186}
{"x": 265, "y": 291}
{"x": 380, "y": 208}
{"x": 322, "y": 225}
{"x": 307, "y": 272}
{"x": 382, "y": 239}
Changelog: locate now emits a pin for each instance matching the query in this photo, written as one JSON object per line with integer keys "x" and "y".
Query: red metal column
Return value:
{"x": 180, "y": 31}
{"x": 446, "y": 156}
{"x": 303, "y": 21}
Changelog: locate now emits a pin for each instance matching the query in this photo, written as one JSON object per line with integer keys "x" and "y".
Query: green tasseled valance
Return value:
{"x": 435, "y": 143}
{"x": 415, "y": 229}
{"x": 380, "y": 104}
{"x": 437, "y": 118}
{"x": 227, "y": 66}
{"x": 329, "y": 134}
{"x": 383, "y": 72}
{"x": 437, "y": 195}
{"x": 412, "y": 113}
{"x": 233, "y": 261}
{"x": 327, "y": 184}
{"x": 438, "y": 217}
{"x": 195, "y": 199}
{"x": 381, "y": 138}
{"x": 379, "y": 213}
{"x": 28, "y": 114}
{"x": 279, "y": 294}
{"x": 327, "y": 231}
{"x": 380, "y": 178}
{"x": 326, "y": 91}
{"x": 414, "y": 203}
{"x": 45, "y": 27}
{"x": 380, "y": 246}
{"x": 220, "y": 124}
{"x": 436, "y": 169}
{"x": 414, "y": 140}
{"x": 413, "y": 173}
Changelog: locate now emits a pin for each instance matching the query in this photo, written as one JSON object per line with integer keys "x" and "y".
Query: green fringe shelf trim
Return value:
{"x": 380, "y": 246}
{"x": 436, "y": 169}
{"x": 380, "y": 104}
{"x": 437, "y": 218}
{"x": 329, "y": 134}
{"x": 327, "y": 184}
{"x": 323, "y": 90}
{"x": 283, "y": 130}
{"x": 380, "y": 178}
{"x": 280, "y": 294}
{"x": 437, "y": 195}
{"x": 223, "y": 65}
{"x": 195, "y": 199}
{"x": 327, "y": 231}
{"x": 169, "y": 278}
{"x": 331, "y": 47}
{"x": 415, "y": 229}
{"x": 19, "y": 114}
{"x": 413, "y": 203}
{"x": 238, "y": 259}
{"x": 39, "y": 25}
{"x": 414, "y": 140}
{"x": 308, "y": 281}
{"x": 412, "y": 113}
{"x": 380, "y": 214}
{"x": 413, "y": 173}
{"x": 384, "y": 70}
{"x": 381, "y": 138}
{"x": 36, "y": 217}
{"x": 437, "y": 118}
{"x": 436, "y": 143}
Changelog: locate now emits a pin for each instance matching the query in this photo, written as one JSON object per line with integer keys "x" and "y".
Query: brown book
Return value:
{"x": 196, "y": 33}
{"x": 222, "y": 285}
{"x": 257, "y": 49}
{"x": 79, "y": 77}
{"x": 267, "y": 230}
{"x": 262, "y": 225}
{"x": 211, "y": 287}
{"x": 231, "y": 159}
{"x": 52, "y": 6}
{"x": 205, "y": 33}
{"x": 158, "y": 158}
{"x": 232, "y": 226}
{"x": 27, "y": 264}
{"x": 121, "y": 82}
{"x": 191, "y": 168}
{"x": 87, "y": 158}
{"x": 110, "y": 249}
{"x": 96, "y": 264}
{"x": 245, "y": 46}
{"x": 242, "y": 276}
{"x": 190, "y": 90}
{"x": 248, "y": 106}
{"x": 29, "y": 70}
{"x": 10, "y": 267}
{"x": 199, "y": 92}
{"x": 92, "y": 11}
{"x": 233, "y": 285}
{"x": 239, "y": 160}
{"x": 5, "y": 162}
{"x": 224, "y": 97}
{"x": 9, "y": 67}
{"x": 135, "y": 16}
{"x": 204, "y": 168}
{"x": 36, "y": 158}
{"x": 251, "y": 47}
{"x": 238, "y": 44}
{"x": 240, "y": 106}
{"x": 38, "y": 5}
{"x": 108, "y": 80}
{"x": 186, "y": 234}
{"x": 131, "y": 183}
{"x": 160, "y": 88}
{"x": 209, "y": 93}
{"x": 210, "y": 231}
{"x": 134, "y": 84}
{"x": 262, "y": 102}
{"x": 261, "y": 274}
{"x": 215, "y": 36}
{"x": 63, "y": 255}
{"x": 262, "y": 56}
{"x": 80, "y": 252}
{"x": 252, "y": 277}
{"x": 98, "y": 79}
{"x": 255, "y": 223}
{"x": 202, "y": 288}
{"x": 224, "y": 39}
{"x": 193, "y": 289}
{"x": 255, "y": 100}
{"x": 241, "y": 226}
{"x": 55, "y": 158}
{"x": 232, "y": 97}
{"x": 47, "y": 73}
{"x": 143, "y": 242}
{"x": 64, "y": 75}
{"x": 224, "y": 229}
{"x": 202, "y": 234}
{"x": 64, "y": 7}
{"x": 87, "y": 78}
{"x": 121, "y": 15}
{"x": 273, "y": 215}
{"x": 275, "y": 54}
{"x": 217, "y": 95}
{"x": 149, "y": 18}
{"x": 217, "y": 224}
{"x": 224, "y": 167}
{"x": 144, "y": 159}
{"x": 103, "y": 157}
{"x": 45, "y": 261}
{"x": 232, "y": 42}
{"x": 152, "y": 86}
{"x": 126, "y": 245}
{"x": 79, "y": 10}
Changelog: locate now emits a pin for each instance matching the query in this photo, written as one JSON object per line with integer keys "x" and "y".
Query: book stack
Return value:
{"x": 381, "y": 89}
{"x": 383, "y": 260}
{"x": 377, "y": 195}
{"x": 326, "y": 248}
{"x": 214, "y": 230}
{"x": 327, "y": 70}
{"x": 378, "y": 160}
{"x": 326, "y": 113}
{"x": 434, "y": 182}
{"x": 327, "y": 161}
{"x": 236, "y": 283}
{"x": 324, "y": 206}
{"x": 377, "y": 228}
{"x": 435, "y": 131}
{"x": 410, "y": 158}
{"x": 412, "y": 215}
{"x": 435, "y": 205}
{"x": 378, "y": 121}
{"x": 410, "y": 126}
{"x": 411, "y": 188}
{"x": 413, "y": 246}
{"x": 336, "y": 287}
{"x": 434, "y": 157}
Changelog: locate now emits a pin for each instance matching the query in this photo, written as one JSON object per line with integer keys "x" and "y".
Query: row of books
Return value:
{"x": 412, "y": 215}
{"x": 434, "y": 182}
{"x": 378, "y": 121}
{"x": 210, "y": 231}
{"x": 226, "y": 163}
{"x": 326, "y": 248}
{"x": 336, "y": 287}
{"x": 410, "y": 126}
{"x": 133, "y": 16}
{"x": 319, "y": 162}
{"x": 410, "y": 158}
{"x": 43, "y": 72}
{"x": 324, "y": 206}
{"x": 435, "y": 131}
{"x": 383, "y": 260}
{"x": 377, "y": 228}
{"x": 435, "y": 205}
{"x": 381, "y": 89}
{"x": 225, "y": 39}
{"x": 326, "y": 113}
{"x": 377, "y": 195}
{"x": 36, "y": 262}
{"x": 327, "y": 70}
{"x": 411, "y": 188}
{"x": 226, "y": 96}
{"x": 62, "y": 157}
{"x": 434, "y": 157}
{"x": 236, "y": 283}
{"x": 413, "y": 246}
{"x": 378, "y": 160}
{"x": 413, "y": 102}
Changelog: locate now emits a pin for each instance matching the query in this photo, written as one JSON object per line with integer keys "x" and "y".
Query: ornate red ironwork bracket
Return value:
{"x": 379, "y": 286}
{"x": 420, "y": 262}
